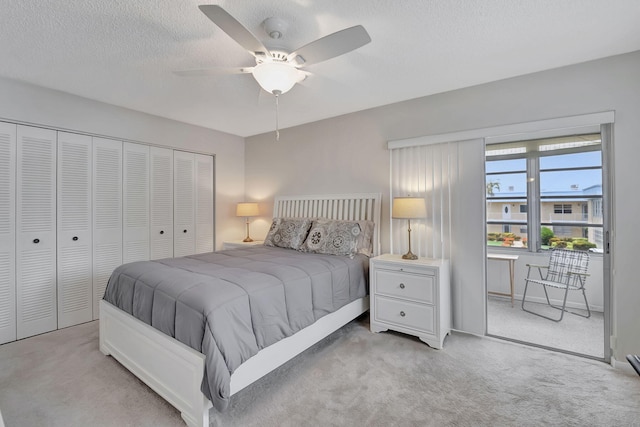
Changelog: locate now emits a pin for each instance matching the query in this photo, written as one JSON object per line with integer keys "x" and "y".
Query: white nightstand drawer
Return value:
{"x": 404, "y": 313}
{"x": 404, "y": 285}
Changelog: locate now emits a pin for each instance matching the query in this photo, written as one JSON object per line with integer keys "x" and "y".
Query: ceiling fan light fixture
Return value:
{"x": 277, "y": 76}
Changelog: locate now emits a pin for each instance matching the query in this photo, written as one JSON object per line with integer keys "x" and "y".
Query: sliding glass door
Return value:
{"x": 544, "y": 194}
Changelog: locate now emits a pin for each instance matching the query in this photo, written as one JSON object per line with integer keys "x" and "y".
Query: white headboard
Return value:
{"x": 352, "y": 207}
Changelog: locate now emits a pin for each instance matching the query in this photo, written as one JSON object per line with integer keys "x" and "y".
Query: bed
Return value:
{"x": 176, "y": 370}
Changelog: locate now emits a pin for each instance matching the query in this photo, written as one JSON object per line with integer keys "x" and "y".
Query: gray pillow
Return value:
{"x": 365, "y": 240}
{"x": 333, "y": 237}
{"x": 288, "y": 232}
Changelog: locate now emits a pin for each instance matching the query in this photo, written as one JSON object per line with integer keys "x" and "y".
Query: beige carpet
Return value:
{"x": 353, "y": 378}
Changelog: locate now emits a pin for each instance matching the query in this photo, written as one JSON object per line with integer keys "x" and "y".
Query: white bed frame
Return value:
{"x": 175, "y": 371}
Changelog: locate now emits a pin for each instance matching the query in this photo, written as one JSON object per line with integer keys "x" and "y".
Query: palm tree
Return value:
{"x": 491, "y": 186}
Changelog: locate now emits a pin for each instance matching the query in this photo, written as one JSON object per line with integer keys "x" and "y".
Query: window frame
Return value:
{"x": 533, "y": 197}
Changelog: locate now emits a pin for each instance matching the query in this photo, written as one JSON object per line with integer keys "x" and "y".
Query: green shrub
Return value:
{"x": 582, "y": 245}
{"x": 546, "y": 234}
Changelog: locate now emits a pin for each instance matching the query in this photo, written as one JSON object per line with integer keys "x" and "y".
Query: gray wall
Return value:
{"x": 348, "y": 153}
{"x": 49, "y": 108}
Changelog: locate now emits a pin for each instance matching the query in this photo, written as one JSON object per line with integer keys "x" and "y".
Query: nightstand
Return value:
{"x": 412, "y": 297}
{"x": 235, "y": 244}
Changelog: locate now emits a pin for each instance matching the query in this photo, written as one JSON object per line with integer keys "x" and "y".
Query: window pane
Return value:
{"x": 507, "y": 185}
{"x": 586, "y": 211}
{"x": 507, "y": 235}
{"x": 573, "y": 237}
{"x": 500, "y": 211}
{"x": 506, "y": 165}
{"x": 507, "y": 218}
{"x": 575, "y": 160}
{"x": 571, "y": 183}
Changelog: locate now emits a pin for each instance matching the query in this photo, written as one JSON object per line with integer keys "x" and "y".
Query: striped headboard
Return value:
{"x": 356, "y": 206}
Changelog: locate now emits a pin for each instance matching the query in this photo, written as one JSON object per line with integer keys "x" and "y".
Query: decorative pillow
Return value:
{"x": 268, "y": 241}
{"x": 288, "y": 232}
{"x": 365, "y": 239}
{"x": 333, "y": 237}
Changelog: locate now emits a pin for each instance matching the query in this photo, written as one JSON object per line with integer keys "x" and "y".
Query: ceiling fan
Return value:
{"x": 277, "y": 71}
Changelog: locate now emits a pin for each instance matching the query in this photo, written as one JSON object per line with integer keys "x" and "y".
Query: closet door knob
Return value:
{"x": 36, "y": 241}
{"x": 161, "y": 231}
{"x": 401, "y": 285}
{"x": 402, "y": 314}
{"x": 74, "y": 238}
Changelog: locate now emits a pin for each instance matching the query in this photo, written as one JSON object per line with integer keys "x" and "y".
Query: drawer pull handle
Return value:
{"x": 402, "y": 314}
{"x": 74, "y": 238}
{"x": 184, "y": 231}
{"x": 36, "y": 241}
{"x": 401, "y": 285}
{"x": 161, "y": 231}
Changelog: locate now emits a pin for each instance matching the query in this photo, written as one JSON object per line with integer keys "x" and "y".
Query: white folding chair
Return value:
{"x": 567, "y": 270}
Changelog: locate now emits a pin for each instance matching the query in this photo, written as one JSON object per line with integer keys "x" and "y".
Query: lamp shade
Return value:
{"x": 247, "y": 209}
{"x": 277, "y": 77}
{"x": 408, "y": 208}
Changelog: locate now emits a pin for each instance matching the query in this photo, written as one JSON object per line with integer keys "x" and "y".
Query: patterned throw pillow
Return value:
{"x": 288, "y": 232}
{"x": 333, "y": 237}
{"x": 268, "y": 241}
{"x": 365, "y": 240}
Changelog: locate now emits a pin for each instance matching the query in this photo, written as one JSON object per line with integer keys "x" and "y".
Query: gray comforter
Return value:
{"x": 230, "y": 304}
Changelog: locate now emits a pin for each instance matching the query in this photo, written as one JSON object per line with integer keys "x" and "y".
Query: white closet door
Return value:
{"x": 107, "y": 214}
{"x": 136, "y": 203}
{"x": 184, "y": 203}
{"x": 7, "y": 232}
{"x": 204, "y": 203}
{"x": 75, "y": 277}
{"x": 36, "y": 231}
{"x": 161, "y": 214}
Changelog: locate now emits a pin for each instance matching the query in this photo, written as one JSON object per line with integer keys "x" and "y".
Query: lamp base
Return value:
{"x": 410, "y": 255}
{"x": 248, "y": 239}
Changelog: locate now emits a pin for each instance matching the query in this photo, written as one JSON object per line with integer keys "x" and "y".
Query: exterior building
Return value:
{"x": 576, "y": 213}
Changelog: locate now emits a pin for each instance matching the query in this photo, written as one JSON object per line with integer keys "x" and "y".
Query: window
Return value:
{"x": 561, "y": 209}
{"x": 554, "y": 189}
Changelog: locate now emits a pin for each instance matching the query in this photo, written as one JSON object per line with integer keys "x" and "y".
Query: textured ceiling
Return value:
{"x": 123, "y": 52}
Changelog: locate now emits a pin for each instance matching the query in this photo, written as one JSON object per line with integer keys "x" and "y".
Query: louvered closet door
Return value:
{"x": 161, "y": 214}
{"x": 136, "y": 203}
{"x": 107, "y": 214}
{"x": 75, "y": 277}
{"x": 184, "y": 203}
{"x": 204, "y": 203}
{"x": 36, "y": 231}
{"x": 7, "y": 232}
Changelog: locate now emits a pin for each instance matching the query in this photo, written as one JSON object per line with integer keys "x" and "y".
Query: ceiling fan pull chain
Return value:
{"x": 277, "y": 124}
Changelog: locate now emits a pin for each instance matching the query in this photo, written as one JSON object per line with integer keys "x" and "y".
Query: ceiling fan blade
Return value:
{"x": 234, "y": 29}
{"x": 212, "y": 71}
{"x": 330, "y": 46}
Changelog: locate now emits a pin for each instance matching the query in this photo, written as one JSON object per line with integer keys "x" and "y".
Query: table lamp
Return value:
{"x": 247, "y": 209}
{"x": 409, "y": 208}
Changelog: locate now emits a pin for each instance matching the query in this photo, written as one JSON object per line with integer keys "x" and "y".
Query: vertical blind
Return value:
{"x": 450, "y": 177}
